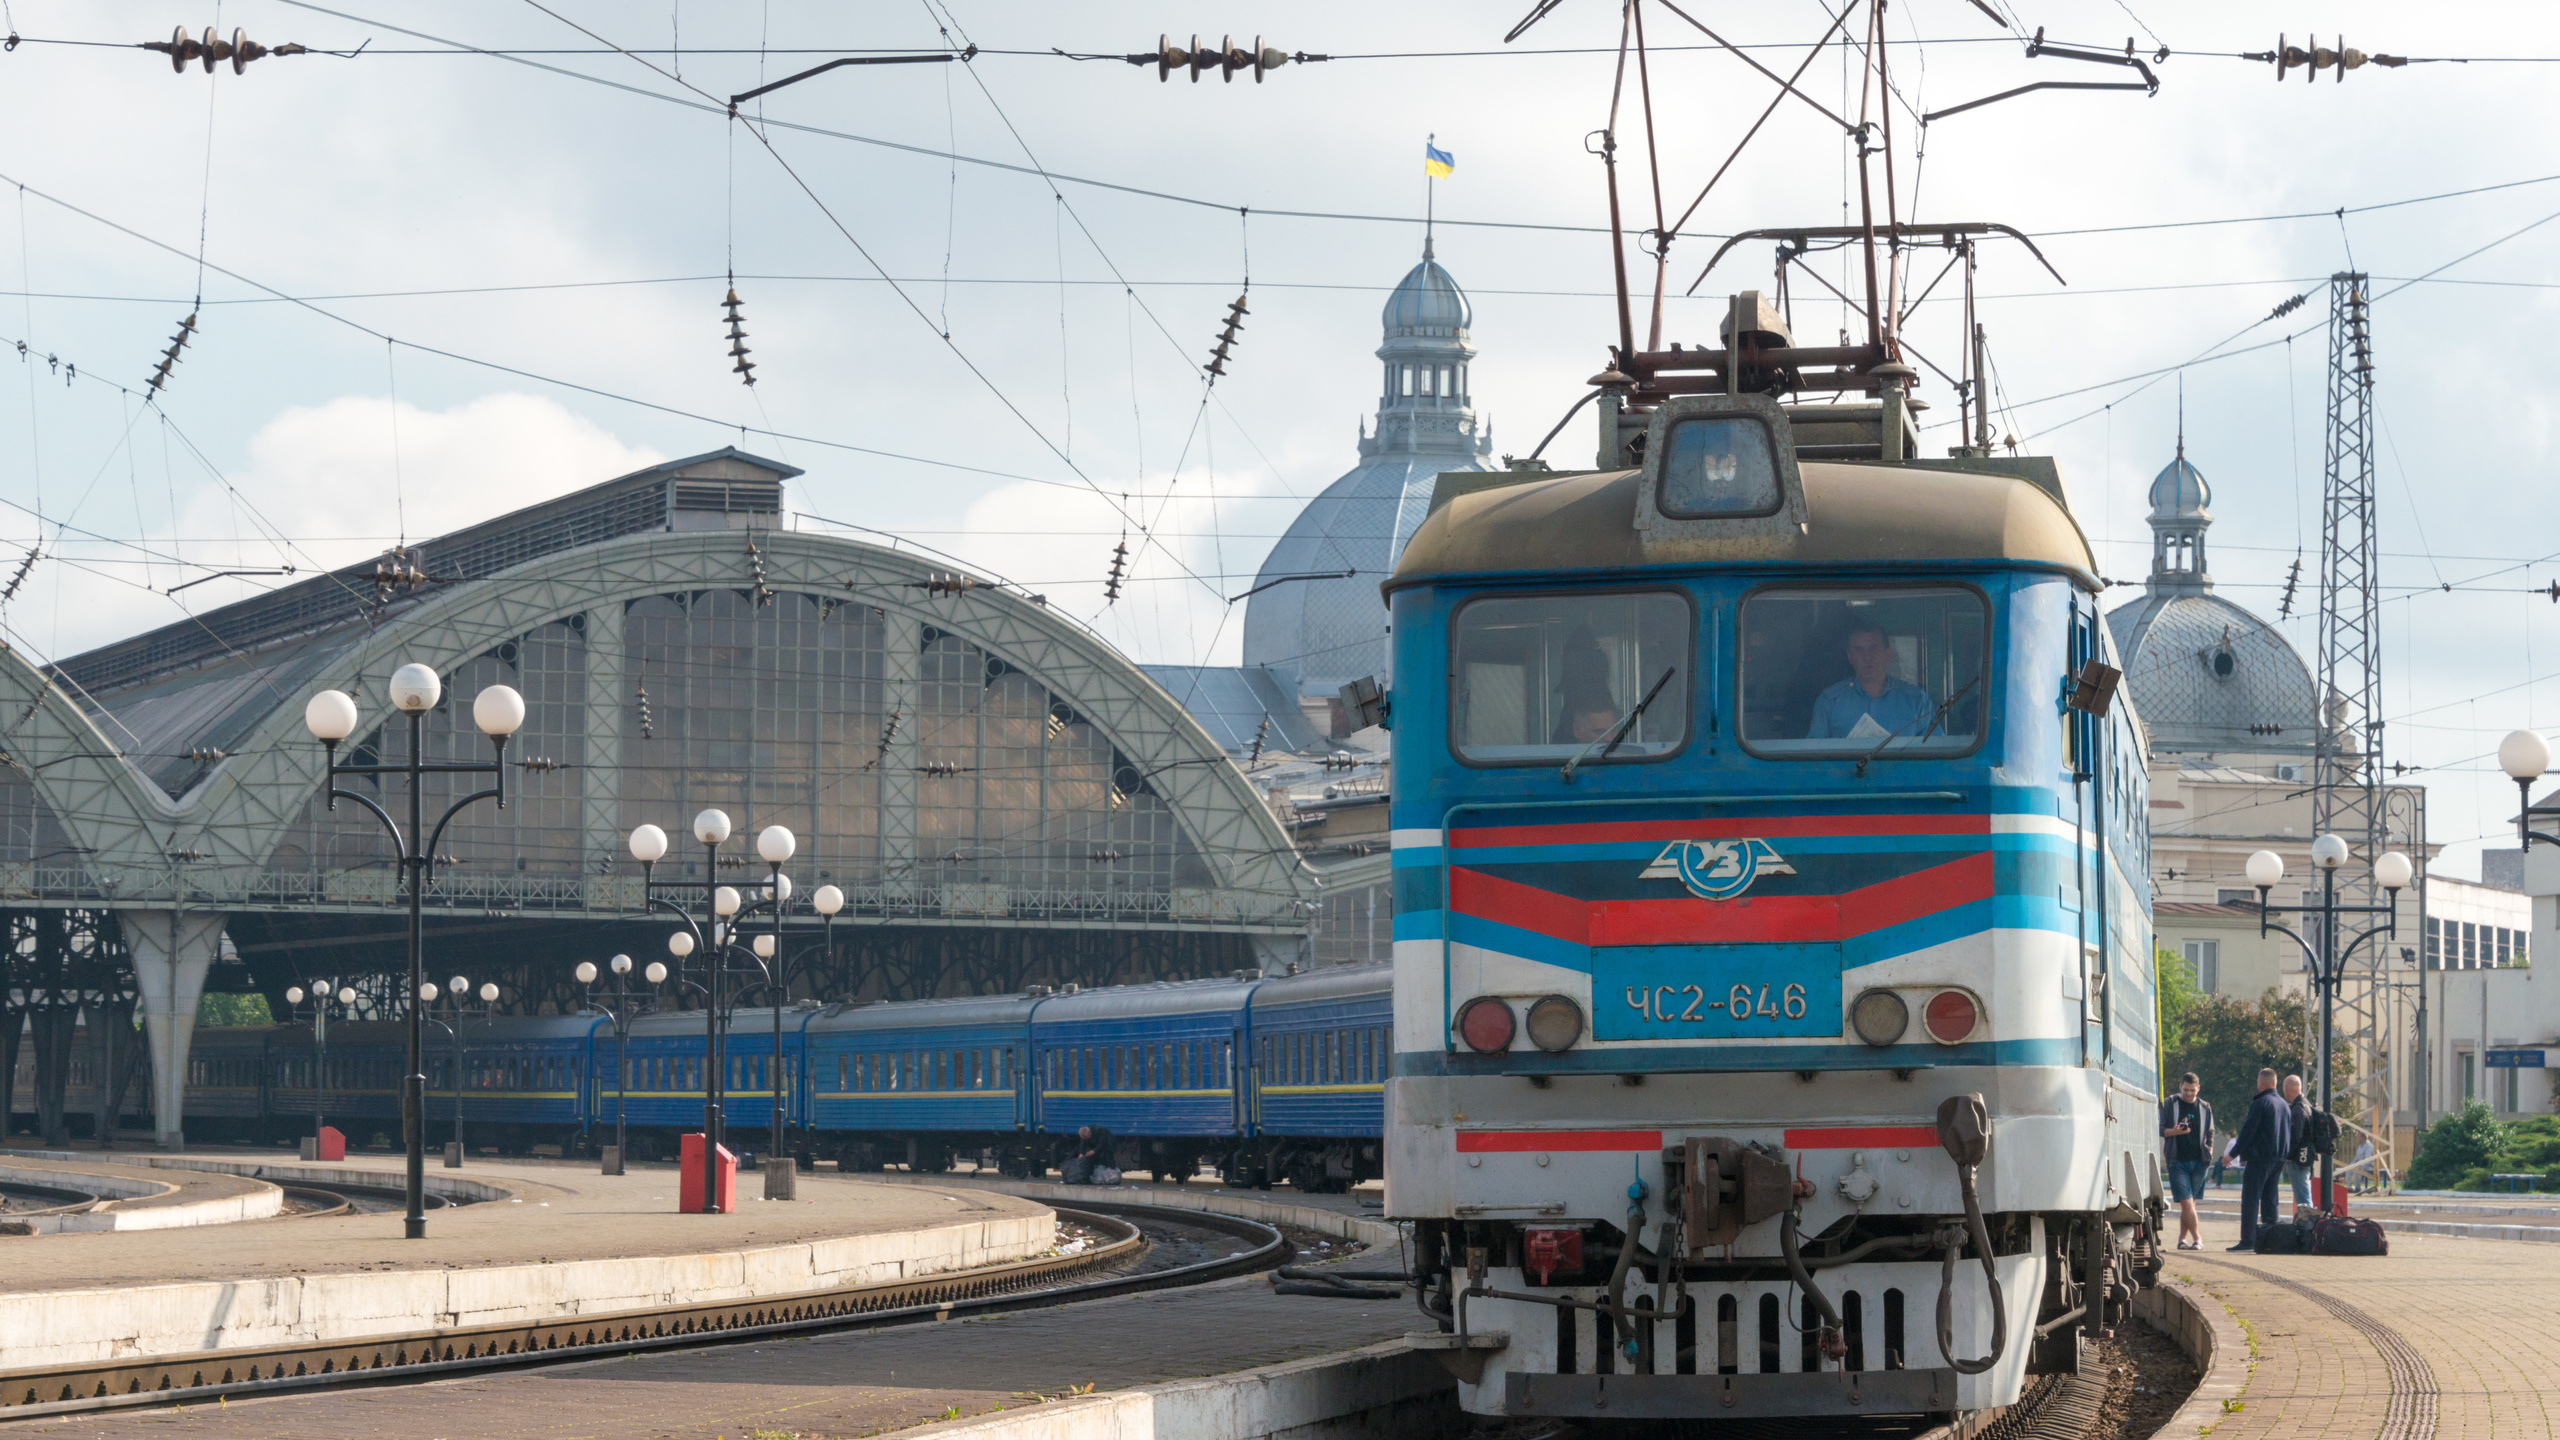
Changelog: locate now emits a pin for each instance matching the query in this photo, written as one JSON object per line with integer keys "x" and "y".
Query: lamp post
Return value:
{"x": 2327, "y": 962}
{"x": 622, "y": 1006}
{"x": 774, "y": 845}
{"x": 331, "y": 716}
{"x": 315, "y": 1003}
{"x": 720, "y": 903}
{"x": 456, "y": 992}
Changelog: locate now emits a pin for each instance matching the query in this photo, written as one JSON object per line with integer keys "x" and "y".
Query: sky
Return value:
{"x": 432, "y": 285}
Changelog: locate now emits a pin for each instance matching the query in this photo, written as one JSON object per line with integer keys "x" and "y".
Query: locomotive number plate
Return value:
{"x": 1715, "y": 992}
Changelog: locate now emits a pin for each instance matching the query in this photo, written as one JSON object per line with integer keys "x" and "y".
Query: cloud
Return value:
{"x": 326, "y": 480}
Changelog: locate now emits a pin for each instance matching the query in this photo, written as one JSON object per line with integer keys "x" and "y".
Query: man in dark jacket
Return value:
{"x": 2186, "y": 1136}
{"x": 2265, "y": 1136}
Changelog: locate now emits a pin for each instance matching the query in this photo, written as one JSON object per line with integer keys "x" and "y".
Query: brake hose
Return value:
{"x": 1991, "y": 1276}
{"x": 1832, "y": 1343}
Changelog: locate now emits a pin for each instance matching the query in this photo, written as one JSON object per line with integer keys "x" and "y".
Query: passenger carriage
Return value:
{"x": 1698, "y": 955}
{"x": 1157, "y": 1064}
{"x": 920, "y": 1082}
{"x": 1321, "y": 1045}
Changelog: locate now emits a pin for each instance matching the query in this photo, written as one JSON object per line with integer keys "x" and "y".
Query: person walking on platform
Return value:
{"x": 2298, "y": 1160}
{"x": 2186, "y": 1132}
{"x": 2265, "y": 1138}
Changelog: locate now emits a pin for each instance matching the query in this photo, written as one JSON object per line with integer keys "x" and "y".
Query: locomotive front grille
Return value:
{"x": 1758, "y": 1329}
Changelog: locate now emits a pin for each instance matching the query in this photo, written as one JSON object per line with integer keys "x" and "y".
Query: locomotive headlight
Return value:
{"x": 1555, "y": 1023}
{"x": 1951, "y": 1016}
{"x": 1487, "y": 1025}
{"x": 1880, "y": 1017}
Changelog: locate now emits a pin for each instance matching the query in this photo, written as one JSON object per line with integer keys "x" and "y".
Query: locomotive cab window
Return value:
{"x": 1719, "y": 468}
{"x": 1863, "y": 671}
{"x": 1540, "y": 679}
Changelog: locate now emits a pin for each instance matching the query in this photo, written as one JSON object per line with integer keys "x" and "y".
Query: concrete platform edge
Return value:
{"x": 1380, "y": 1391}
{"x": 54, "y": 1327}
{"x": 252, "y": 1200}
{"x": 2212, "y": 1339}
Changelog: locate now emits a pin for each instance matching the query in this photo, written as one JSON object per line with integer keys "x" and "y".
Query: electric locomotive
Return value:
{"x": 1774, "y": 1005}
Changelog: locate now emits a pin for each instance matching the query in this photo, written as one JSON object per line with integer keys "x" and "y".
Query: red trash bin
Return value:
{"x": 333, "y": 1145}
{"x": 724, "y": 1178}
{"x": 2320, "y": 1193}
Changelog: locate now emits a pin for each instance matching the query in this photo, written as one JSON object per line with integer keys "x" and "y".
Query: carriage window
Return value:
{"x": 1715, "y": 468}
{"x": 1536, "y": 679}
{"x": 1861, "y": 671}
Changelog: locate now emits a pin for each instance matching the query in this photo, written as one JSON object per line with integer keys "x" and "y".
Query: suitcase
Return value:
{"x": 2284, "y": 1238}
{"x": 2343, "y": 1235}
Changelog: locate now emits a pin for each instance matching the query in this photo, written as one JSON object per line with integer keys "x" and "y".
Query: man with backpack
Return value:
{"x": 2186, "y": 1133}
{"x": 2266, "y": 1136}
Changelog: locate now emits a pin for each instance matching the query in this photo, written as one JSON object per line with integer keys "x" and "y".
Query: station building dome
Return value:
{"x": 2206, "y": 675}
{"x": 1324, "y": 633}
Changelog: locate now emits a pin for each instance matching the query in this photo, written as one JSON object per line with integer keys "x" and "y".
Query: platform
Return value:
{"x": 2444, "y": 1336}
{"x": 559, "y": 1241}
{"x": 134, "y": 1196}
{"x": 861, "y": 1383}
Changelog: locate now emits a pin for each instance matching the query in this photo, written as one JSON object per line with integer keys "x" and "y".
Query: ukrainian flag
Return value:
{"x": 1437, "y": 162}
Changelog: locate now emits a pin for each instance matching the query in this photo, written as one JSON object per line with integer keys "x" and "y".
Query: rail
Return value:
{"x": 437, "y": 1354}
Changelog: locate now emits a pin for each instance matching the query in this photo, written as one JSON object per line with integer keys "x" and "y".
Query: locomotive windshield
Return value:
{"x": 1538, "y": 679}
{"x": 1866, "y": 670}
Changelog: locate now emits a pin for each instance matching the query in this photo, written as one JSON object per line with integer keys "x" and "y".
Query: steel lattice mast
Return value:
{"x": 2347, "y": 794}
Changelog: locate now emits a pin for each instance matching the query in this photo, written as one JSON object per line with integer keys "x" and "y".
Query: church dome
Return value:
{"x": 2206, "y": 675}
{"x": 1330, "y": 630}
{"x": 1427, "y": 302}
{"x": 2179, "y": 490}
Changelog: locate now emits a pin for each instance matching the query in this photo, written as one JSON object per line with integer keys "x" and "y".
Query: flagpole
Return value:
{"x": 1430, "y": 191}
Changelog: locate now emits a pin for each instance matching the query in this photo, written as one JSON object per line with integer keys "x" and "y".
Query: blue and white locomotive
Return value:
{"x": 1773, "y": 964}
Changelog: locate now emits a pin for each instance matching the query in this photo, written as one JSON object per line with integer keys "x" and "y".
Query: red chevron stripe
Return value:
{"x": 1687, "y": 920}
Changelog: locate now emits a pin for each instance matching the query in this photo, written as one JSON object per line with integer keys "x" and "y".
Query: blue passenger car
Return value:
{"x": 1154, "y": 1063}
{"x": 918, "y": 1082}
{"x": 1323, "y": 1043}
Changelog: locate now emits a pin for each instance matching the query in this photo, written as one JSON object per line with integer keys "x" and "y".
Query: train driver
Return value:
{"x": 1872, "y": 702}
{"x": 1589, "y": 710}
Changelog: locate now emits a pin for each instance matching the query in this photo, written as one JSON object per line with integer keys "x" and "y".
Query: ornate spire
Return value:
{"x": 1424, "y": 399}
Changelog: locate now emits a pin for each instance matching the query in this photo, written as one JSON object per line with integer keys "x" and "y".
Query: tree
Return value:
{"x": 2178, "y": 997}
{"x": 212, "y": 1010}
{"x": 2463, "y": 1141}
{"x": 2227, "y": 1041}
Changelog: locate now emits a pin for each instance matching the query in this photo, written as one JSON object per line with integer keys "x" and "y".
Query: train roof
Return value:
{"x": 1164, "y": 997}
{"x": 957, "y": 1012}
{"x": 1331, "y": 982}
{"x": 745, "y": 1020}
{"x": 1854, "y": 514}
{"x": 495, "y": 1030}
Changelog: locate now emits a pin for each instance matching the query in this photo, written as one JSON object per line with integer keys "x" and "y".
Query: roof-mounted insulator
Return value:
{"x": 177, "y": 342}
{"x": 11, "y": 593}
{"x": 181, "y": 47}
{"x": 2311, "y": 57}
{"x": 1227, "y": 338}
{"x": 646, "y": 733}
{"x": 1261, "y": 733}
{"x": 745, "y": 369}
{"x": 1119, "y": 572}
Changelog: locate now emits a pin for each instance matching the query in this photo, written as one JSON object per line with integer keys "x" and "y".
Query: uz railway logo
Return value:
{"x": 1716, "y": 869}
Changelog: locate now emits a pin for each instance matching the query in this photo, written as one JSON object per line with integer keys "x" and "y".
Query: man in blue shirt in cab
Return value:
{"x": 1872, "y": 703}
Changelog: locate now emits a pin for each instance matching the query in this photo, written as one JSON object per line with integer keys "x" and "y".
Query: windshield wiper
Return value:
{"x": 1608, "y": 744}
{"x": 1934, "y": 717}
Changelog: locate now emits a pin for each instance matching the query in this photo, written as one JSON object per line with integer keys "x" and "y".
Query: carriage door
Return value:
{"x": 1242, "y": 1090}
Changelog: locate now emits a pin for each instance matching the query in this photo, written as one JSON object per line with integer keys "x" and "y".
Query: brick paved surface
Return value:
{"x": 2471, "y": 1326}
{"x": 847, "y": 1385}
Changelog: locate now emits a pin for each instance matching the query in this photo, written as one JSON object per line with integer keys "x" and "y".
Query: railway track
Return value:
{"x": 436, "y": 1354}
